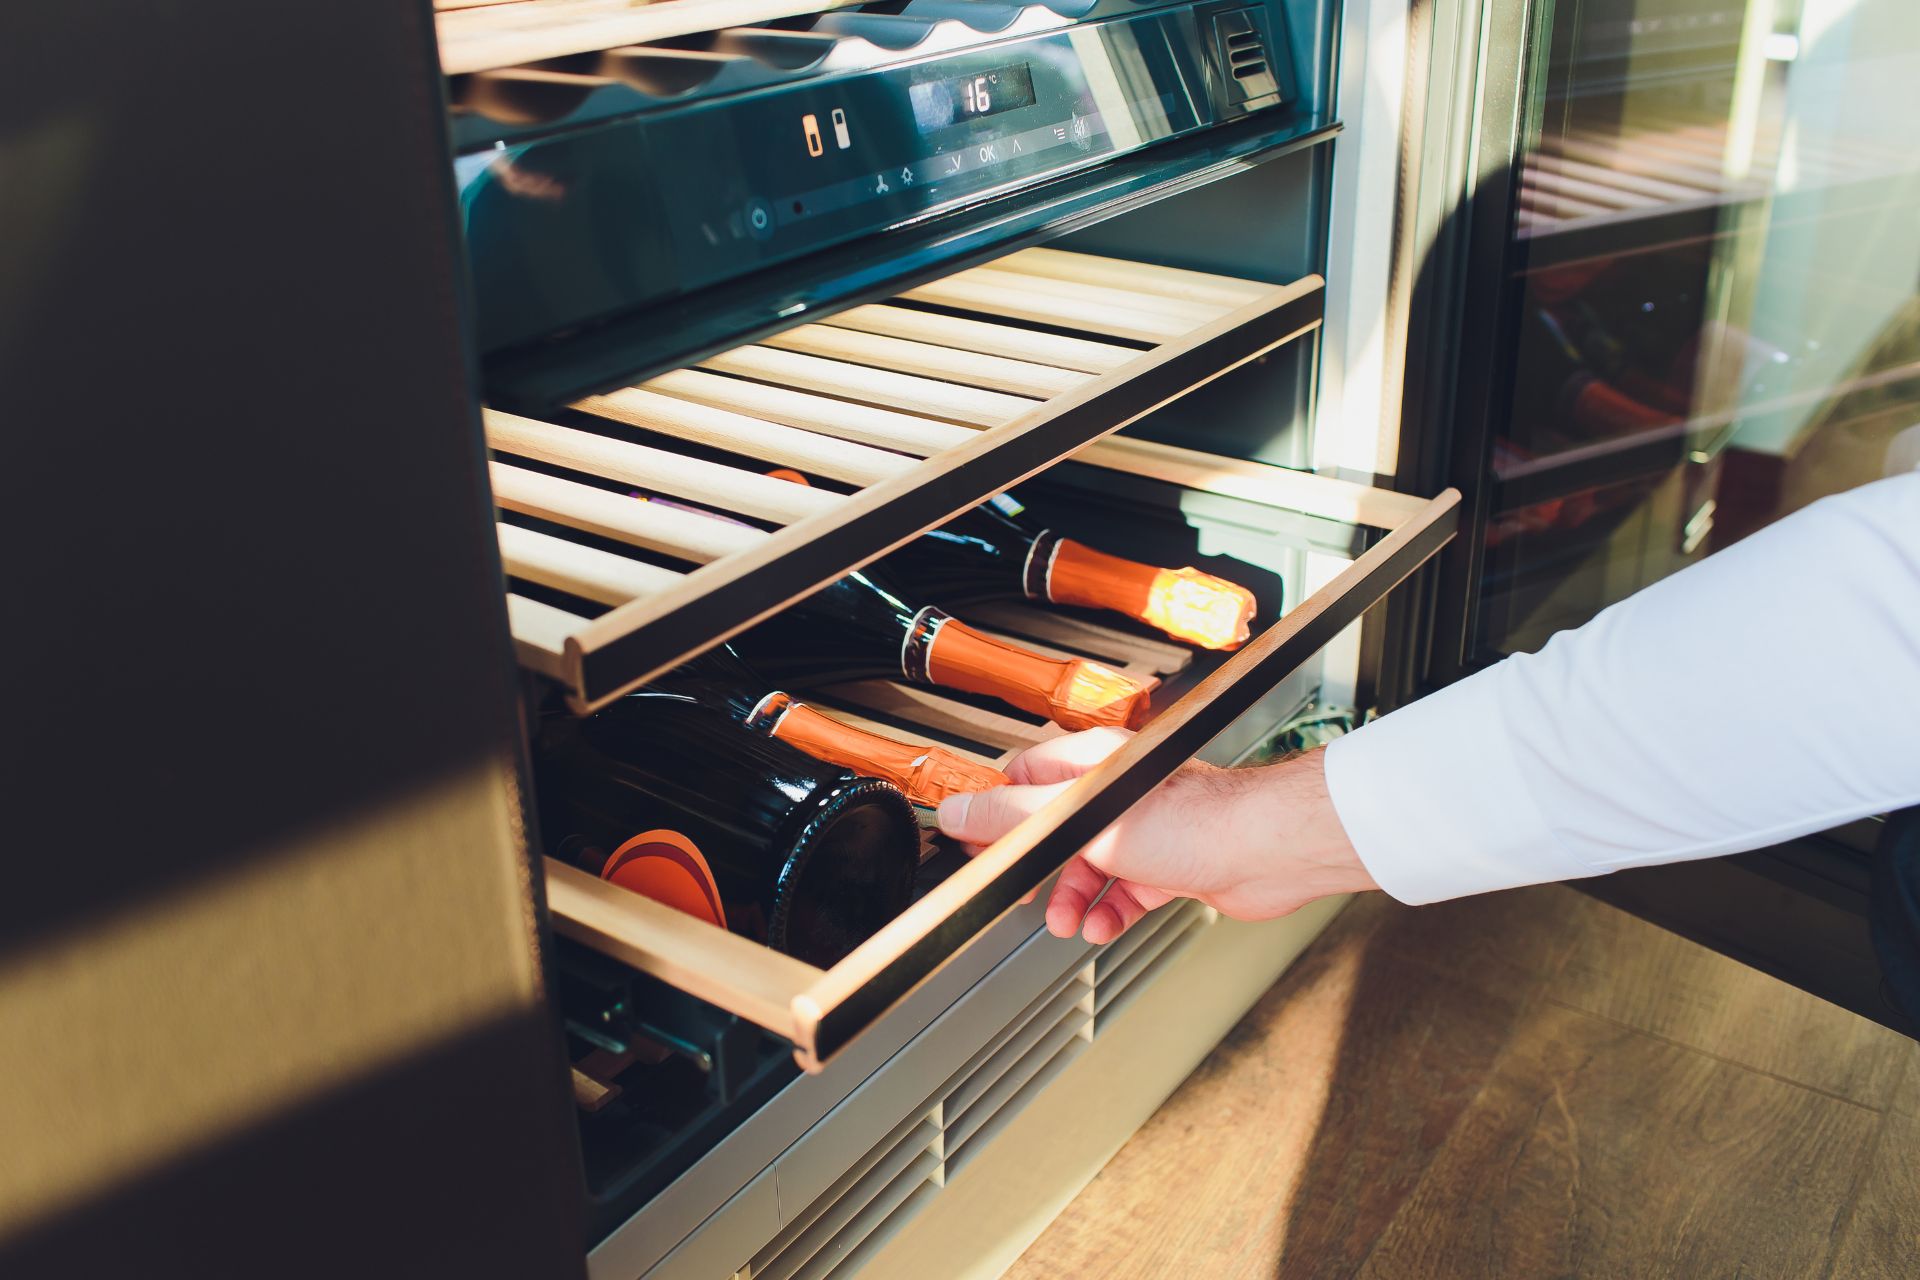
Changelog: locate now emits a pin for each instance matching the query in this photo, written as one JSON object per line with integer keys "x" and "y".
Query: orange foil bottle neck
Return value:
{"x": 926, "y": 773}
{"x": 1185, "y": 603}
{"x": 1071, "y": 692}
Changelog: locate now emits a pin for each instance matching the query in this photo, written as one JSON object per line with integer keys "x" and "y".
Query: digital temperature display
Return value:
{"x": 939, "y": 103}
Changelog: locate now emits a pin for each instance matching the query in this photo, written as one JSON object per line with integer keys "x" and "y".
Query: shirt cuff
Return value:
{"x": 1435, "y": 803}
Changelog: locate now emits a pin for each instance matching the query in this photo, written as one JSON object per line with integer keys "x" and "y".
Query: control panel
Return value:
{"x": 595, "y": 221}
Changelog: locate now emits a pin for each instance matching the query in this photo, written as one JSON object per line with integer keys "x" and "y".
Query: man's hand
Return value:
{"x": 1254, "y": 843}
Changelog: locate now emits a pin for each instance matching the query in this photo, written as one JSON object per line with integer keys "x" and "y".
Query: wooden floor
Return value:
{"x": 1530, "y": 1084}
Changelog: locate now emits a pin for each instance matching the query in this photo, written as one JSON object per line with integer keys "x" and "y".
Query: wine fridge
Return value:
{"x": 538, "y": 498}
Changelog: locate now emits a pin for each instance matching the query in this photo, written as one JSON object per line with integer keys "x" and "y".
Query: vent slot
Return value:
{"x": 1117, "y": 988}
{"x": 1246, "y": 54}
{"x": 1069, "y": 995}
{"x": 830, "y": 1228}
{"x": 892, "y": 1209}
{"x": 988, "y": 1090}
{"x": 1010, "y": 1094}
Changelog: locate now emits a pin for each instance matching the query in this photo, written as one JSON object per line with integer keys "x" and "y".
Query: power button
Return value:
{"x": 759, "y": 219}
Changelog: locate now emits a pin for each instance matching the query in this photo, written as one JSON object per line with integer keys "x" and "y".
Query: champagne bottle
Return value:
{"x": 675, "y": 800}
{"x": 863, "y": 626}
{"x": 927, "y": 774}
{"x": 991, "y": 552}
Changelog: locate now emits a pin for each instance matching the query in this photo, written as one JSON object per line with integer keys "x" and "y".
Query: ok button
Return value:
{"x": 759, "y": 219}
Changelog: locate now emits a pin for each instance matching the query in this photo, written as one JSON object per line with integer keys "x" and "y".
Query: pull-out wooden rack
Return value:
{"x": 928, "y": 404}
{"x": 922, "y": 407}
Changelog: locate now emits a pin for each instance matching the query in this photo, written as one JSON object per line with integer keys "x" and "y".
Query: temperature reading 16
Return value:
{"x": 949, "y": 100}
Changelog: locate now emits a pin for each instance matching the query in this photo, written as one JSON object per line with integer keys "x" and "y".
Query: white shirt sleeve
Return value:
{"x": 1771, "y": 690}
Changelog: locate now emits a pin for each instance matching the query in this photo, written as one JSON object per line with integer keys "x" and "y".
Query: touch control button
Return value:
{"x": 759, "y": 219}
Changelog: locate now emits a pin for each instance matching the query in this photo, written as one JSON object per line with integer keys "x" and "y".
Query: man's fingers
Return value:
{"x": 1066, "y": 757}
{"x": 1113, "y": 915}
{"x": 981, "y": 817}
{"x": 1075, "y": 890}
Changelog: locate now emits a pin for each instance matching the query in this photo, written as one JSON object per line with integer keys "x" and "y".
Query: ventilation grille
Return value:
{"x": 1243, "y": 46}
{"x": 888, "y": 1186}
{"x": 1246, "y": 55}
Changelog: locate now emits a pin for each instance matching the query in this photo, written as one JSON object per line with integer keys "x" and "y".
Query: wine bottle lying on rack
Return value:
{"x": 864, "y": 626}
{"x": 926, "y": 773}
{"x": 992, "y": 552}
{"x": 678, "y": 801}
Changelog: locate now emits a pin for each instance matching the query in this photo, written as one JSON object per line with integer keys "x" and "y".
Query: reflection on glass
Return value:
{"x": 1717, "y": 267}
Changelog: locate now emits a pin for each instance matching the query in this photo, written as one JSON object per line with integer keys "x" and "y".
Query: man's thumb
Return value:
{"x": 981, "y": 817}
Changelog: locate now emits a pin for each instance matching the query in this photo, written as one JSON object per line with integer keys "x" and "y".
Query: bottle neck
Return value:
{"x": 1187, "y": 604}
{"x": 927, "y": 774}
{"x": 1072, "y": 692}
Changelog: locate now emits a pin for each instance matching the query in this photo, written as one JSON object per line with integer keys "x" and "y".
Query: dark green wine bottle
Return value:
{"x": 677, "y": 800}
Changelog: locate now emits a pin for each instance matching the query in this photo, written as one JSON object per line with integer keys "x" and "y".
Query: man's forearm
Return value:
{"x": 1771, "y": 690}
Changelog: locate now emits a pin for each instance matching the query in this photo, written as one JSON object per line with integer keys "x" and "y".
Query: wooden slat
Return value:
{"x": 1109, "y": 311}
{"x": 1612, "y": 155}
{"x": 873, "y": 386}
{"x": 867, "y": 424}
{"x": 590, "y": 1094}
{"x": 1634, "y": 182}
{"x": 1271, "y": 486}
{"x": 587, "y": 572}
{"x": 709, "y": 963}
{"x": 1141, "y": 277}
{"x": 540, "y": 635}
{"x": 940, "y": 714}
{"x": 683, "y": 535}
{"x": 1559, "y": 206}
{"x": 1611, "y": 195}
{"x": 1187, "y": 314}
{"x": 956, "y": 743}
{"x": 996, "y": 373}
{"x": 729, "y": 488}
{"x": 540, "y": 76}
{"x": 1713, "y": 157}
{"x": 985, "y": 337}
{"x": 752, "y": 437}
{"x": 1712, "y": 150}
{"x": 1090, "y": 639}
{"x": 505, "y": 35}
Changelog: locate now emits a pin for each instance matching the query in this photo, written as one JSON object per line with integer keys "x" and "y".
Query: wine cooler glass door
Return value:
{"x": 1708, "y": 301}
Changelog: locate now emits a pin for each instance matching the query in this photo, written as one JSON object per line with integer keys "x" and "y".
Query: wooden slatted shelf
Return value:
{"x": 921, "y": 407}
{"x": 1587, "y": 180}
